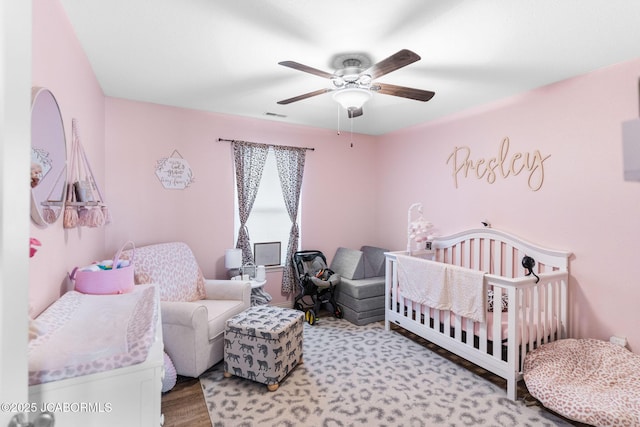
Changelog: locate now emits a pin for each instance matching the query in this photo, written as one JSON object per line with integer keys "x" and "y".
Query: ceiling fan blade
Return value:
{"x": 304, "y": 96}
{"x": 306, "y": 69}
{"x": 392, "y": 63}
{"x": 404, "y": 92}
{"x": 354, "y": 112}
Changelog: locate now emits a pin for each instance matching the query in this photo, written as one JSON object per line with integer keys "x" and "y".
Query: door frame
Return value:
{"x": 15, "y": 148}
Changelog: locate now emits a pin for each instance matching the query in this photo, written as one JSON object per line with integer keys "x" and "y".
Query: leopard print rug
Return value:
{"x": 366, "y": 376}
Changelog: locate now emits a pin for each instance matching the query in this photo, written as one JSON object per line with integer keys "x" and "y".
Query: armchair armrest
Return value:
{"x": 228, "y": 289}
{"x": 183, "y": 313}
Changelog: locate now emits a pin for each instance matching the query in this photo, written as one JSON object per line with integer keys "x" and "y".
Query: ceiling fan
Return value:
{"x": 353, "y": 83}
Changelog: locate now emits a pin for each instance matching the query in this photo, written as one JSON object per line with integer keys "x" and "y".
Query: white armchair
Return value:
{"x": 194, "y": 310}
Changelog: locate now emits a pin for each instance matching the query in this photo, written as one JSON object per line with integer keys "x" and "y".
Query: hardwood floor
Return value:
{"x": 184, "y": 405}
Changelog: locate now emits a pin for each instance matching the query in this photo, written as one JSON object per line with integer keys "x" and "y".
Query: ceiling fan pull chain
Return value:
{"x": 351, "y": 124}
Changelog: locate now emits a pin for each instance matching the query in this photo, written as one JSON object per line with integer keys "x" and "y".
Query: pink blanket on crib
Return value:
{"x": 83, "y": 334}
{"x": 443, "y": 286}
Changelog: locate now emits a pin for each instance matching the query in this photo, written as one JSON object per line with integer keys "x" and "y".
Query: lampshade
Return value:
{"x": 352, "y": 97}
{"x": 233, "y": 258}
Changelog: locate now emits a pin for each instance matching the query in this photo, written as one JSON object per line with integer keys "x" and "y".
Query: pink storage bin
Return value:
{"x": 106, "y": 282}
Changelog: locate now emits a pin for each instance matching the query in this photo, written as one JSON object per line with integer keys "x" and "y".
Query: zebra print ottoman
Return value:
{"x": 263, "y": 344}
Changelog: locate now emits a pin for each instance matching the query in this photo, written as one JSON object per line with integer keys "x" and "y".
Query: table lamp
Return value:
{"x": 233, "y": 260}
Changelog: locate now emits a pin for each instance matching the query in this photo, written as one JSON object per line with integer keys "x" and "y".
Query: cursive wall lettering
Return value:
{"x": 503, "y": 165}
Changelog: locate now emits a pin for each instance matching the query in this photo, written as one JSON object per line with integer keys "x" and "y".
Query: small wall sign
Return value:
{"x": 504, "y": 165}
{"x": 174, "y": 172}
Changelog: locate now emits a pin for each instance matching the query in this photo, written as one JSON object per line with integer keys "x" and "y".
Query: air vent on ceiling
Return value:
{"x": 275, "y": 115}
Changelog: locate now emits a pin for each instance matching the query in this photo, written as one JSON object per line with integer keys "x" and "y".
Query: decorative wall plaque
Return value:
{"x": 174, "y": 172}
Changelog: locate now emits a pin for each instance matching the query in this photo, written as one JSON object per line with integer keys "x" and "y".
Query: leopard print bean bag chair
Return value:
{"x": 586, "y": 380}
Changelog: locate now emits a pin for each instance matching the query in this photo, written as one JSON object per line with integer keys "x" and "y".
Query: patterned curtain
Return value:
{"x": 290, "y": 161}
{"x": 249, "y": 159}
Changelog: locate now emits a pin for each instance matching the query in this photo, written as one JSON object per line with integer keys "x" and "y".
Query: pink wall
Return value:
{"x": 338, "y": 190}
{"x": 583, "y": 206}
{"x": 59, "y": 64}
{"x": 123, "y": 154}
{"x": 355, "y": 196}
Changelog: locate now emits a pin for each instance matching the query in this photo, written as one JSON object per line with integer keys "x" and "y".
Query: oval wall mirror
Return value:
{"x": 48, "y": 158}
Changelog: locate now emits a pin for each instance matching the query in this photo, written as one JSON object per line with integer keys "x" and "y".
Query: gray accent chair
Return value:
{"x": 361, "y": 290}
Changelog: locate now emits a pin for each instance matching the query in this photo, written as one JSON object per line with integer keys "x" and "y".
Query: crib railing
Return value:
{"x": 535, "y": 313}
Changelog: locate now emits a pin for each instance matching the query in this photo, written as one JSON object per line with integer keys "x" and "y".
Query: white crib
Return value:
{"x": 535, "y": 313}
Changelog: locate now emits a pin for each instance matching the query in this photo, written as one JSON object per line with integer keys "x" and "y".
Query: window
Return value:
{"x": 269, "y": 220}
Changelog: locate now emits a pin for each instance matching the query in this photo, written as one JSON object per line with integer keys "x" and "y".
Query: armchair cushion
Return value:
{"x": 173, "y": 267}
{"x": 214, "y": 313}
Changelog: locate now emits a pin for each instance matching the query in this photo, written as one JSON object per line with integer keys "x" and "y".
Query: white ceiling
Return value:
{"x": 222, "y": 55}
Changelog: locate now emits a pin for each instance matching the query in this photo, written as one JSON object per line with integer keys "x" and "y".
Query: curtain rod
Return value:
{"x": 270, "y": 145}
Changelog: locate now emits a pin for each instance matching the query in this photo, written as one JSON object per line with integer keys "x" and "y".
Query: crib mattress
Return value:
{"x": 84, "y": 334}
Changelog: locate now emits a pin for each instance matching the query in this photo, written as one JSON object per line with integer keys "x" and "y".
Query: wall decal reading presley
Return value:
{"x": 502, "y": 165}
{"x": 174, "y": 172}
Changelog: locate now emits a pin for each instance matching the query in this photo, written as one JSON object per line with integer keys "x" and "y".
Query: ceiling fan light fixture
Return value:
{"x": 352, "y": 97}
{"x": 364, "y": 79}
{"x": 338, "y": 81}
